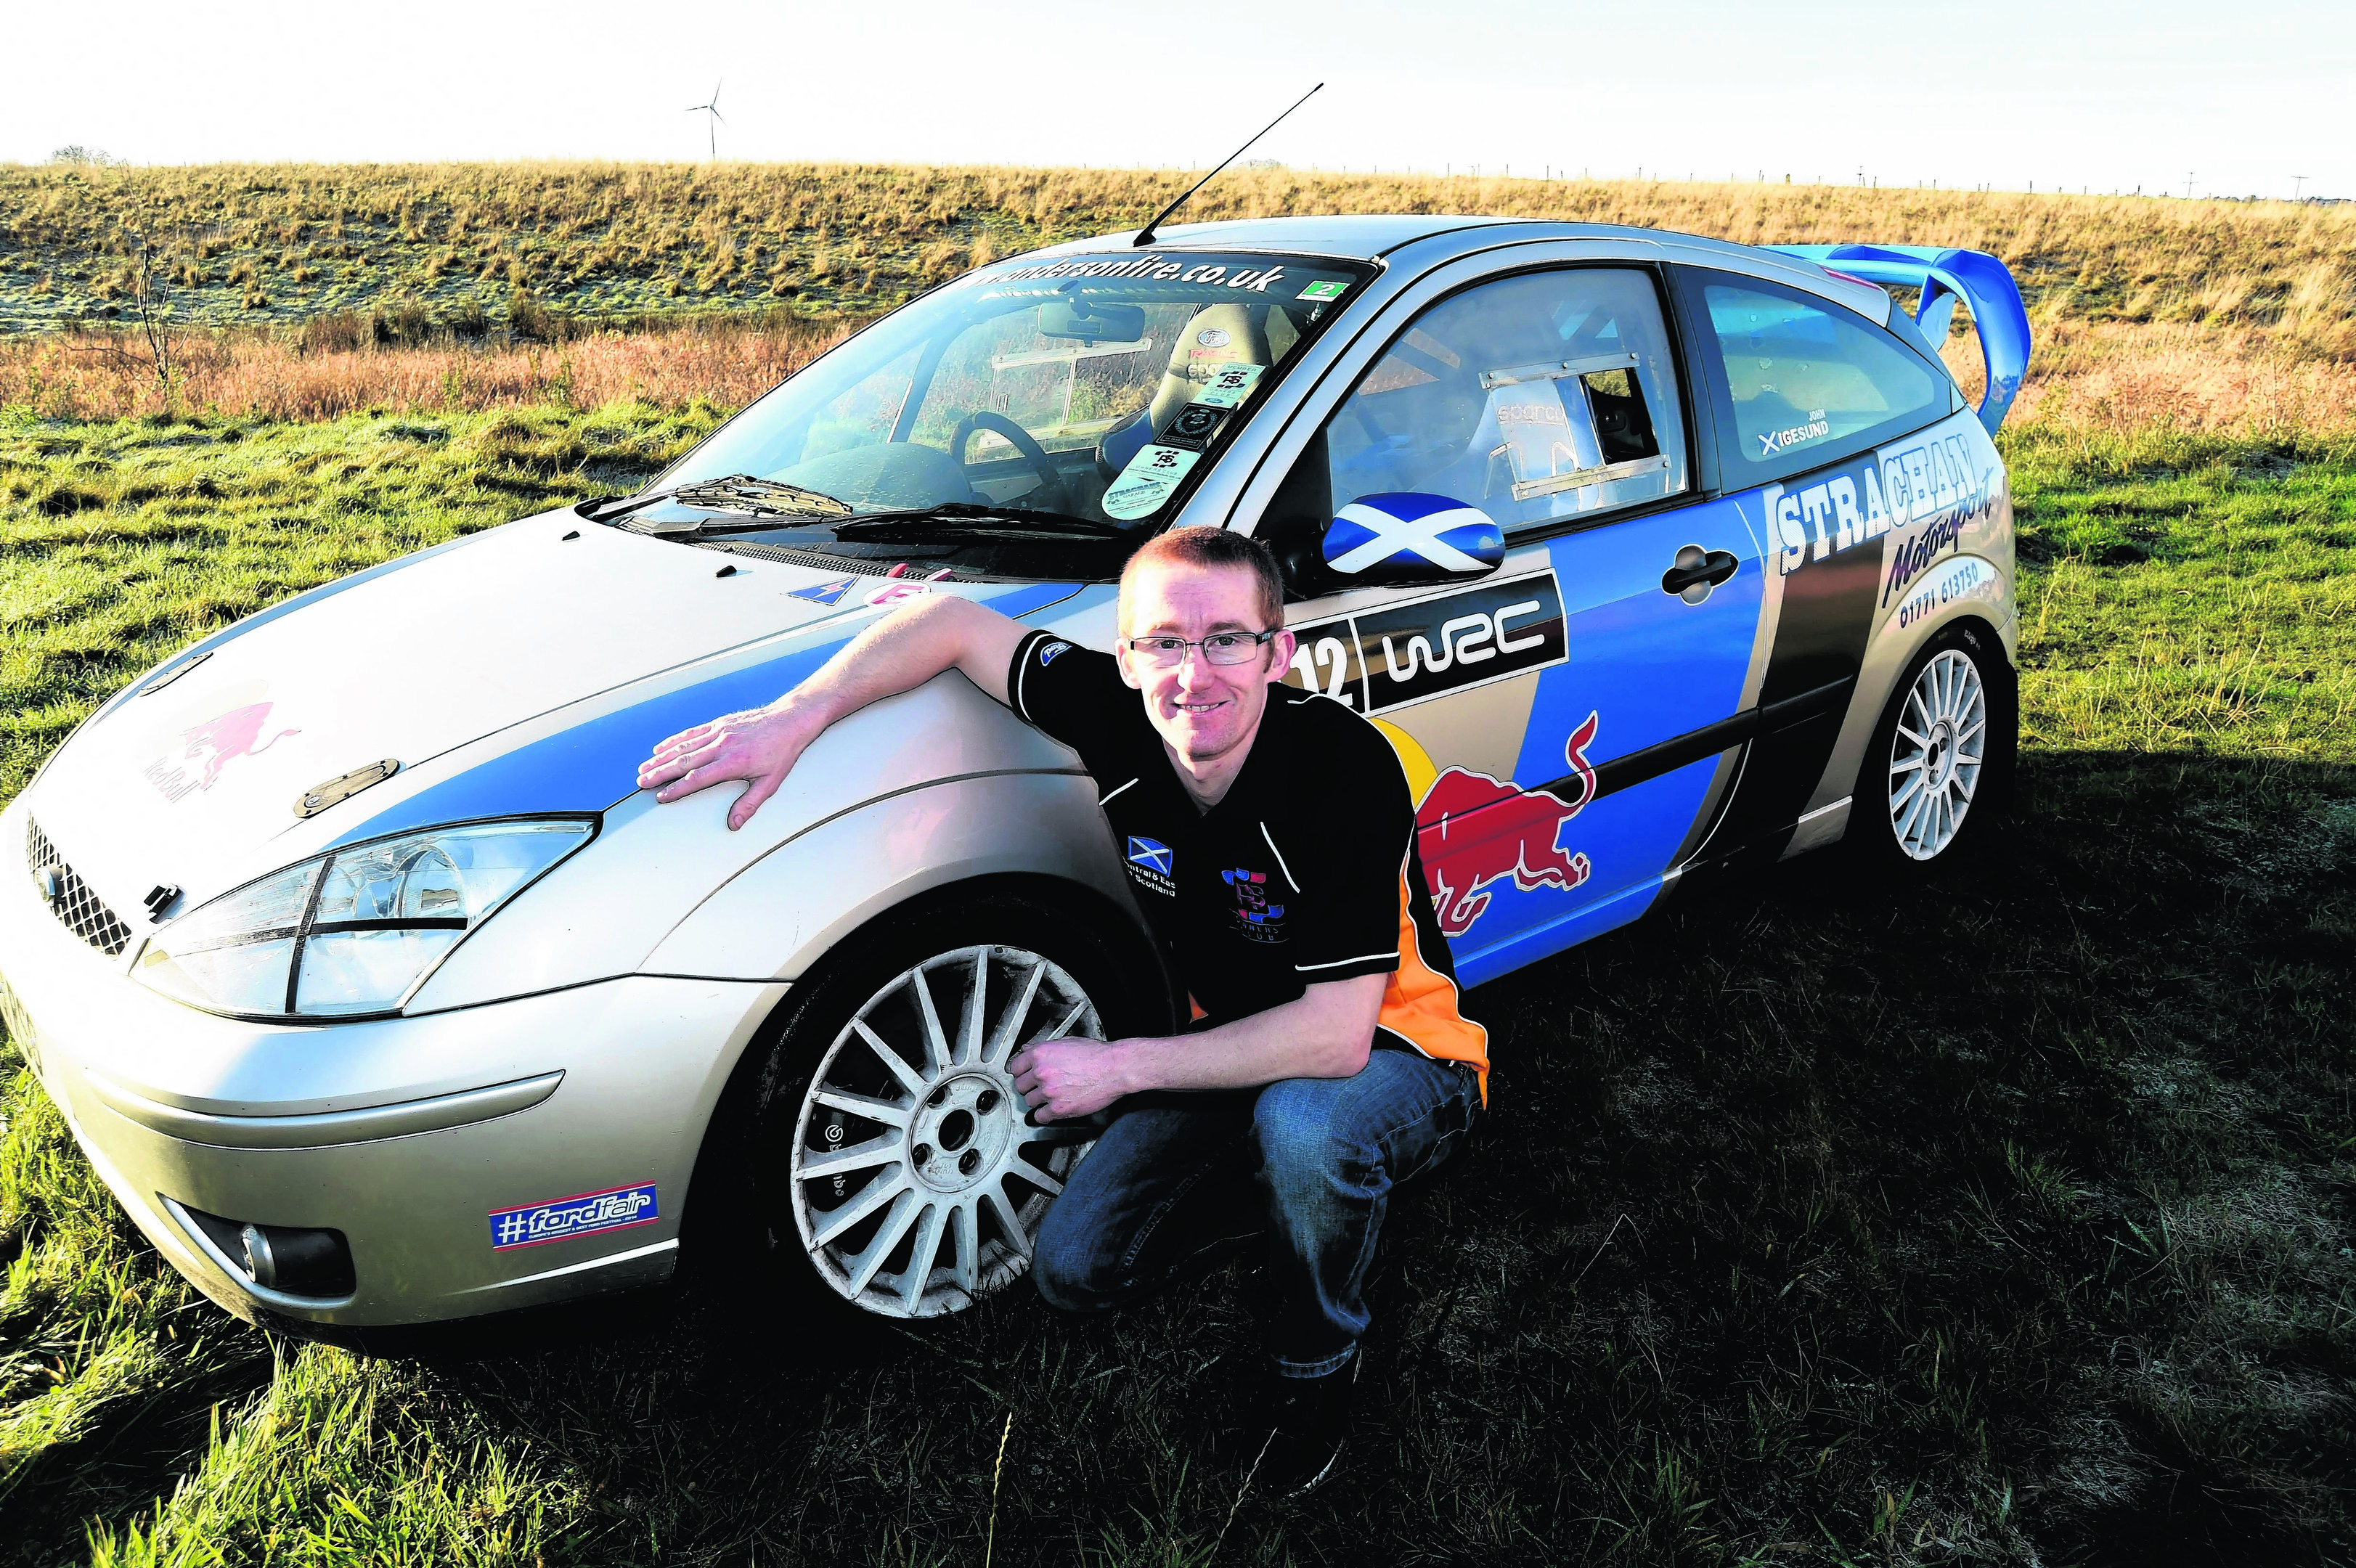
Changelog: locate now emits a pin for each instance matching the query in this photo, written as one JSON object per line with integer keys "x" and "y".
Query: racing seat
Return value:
{"x": 1238, "y": 335}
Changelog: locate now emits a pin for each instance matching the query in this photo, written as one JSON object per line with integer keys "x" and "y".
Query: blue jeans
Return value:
{"x": 1309, "y": 1161}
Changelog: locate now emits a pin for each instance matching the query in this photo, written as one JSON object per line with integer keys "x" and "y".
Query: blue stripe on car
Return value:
{"x": 595, "y": 764}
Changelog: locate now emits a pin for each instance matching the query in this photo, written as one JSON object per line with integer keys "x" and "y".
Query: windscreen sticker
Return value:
{"x": 1249, "y": 278}
{"x": 1326, "y": 290}
{"x": 1148, "y": 481}
{"x": 1195, "y": 426}
{"x": 1230, "y": 385}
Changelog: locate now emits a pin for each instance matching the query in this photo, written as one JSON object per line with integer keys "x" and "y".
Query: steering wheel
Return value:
{"x": 999, "y": 425}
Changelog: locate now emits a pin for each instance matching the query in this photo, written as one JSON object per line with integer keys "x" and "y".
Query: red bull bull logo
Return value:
{"x": 209, "y": 748}
{"x": 1474, "y": 831}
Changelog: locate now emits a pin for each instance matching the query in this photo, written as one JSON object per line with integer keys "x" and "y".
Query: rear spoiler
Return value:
{"x": 1944, "y": 276}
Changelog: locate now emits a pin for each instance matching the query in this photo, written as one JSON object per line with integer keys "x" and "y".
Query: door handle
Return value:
{"x": 1697, "y": 571}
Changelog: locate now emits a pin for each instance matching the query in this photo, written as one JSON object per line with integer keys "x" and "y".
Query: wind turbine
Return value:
{"x": 713, "y": 126}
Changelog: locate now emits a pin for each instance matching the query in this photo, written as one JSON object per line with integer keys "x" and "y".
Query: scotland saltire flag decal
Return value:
{"x": 1150, "y": 853}
{"x": 1410, "y": 530}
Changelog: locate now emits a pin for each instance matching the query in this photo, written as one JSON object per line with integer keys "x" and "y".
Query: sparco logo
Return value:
{"x": 587, "y": 1213}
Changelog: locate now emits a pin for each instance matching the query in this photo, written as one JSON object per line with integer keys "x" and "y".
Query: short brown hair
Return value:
{"x": 1203, "y": 548}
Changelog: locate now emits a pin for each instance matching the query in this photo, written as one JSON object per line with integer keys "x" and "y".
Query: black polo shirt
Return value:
{"x": 1306, "y": 871}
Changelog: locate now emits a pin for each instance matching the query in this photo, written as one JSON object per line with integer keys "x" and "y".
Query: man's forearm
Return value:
{"x": 1323, "y": 1035}
{"x": 897, "y": 653}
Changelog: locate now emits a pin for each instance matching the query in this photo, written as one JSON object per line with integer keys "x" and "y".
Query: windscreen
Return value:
{"x": 1092, "y": 386}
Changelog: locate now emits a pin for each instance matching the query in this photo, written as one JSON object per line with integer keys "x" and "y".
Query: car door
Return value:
{"x": 1555, "y": 716}
{"x": 1804, "y": 392}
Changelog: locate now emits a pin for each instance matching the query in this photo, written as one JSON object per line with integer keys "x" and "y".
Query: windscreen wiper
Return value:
{"x": 966, "y": 517}
{"x": 745, "y": 492}
{"x": 767, "y": 499}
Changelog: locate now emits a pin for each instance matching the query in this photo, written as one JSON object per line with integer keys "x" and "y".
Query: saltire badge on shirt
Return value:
{"x": 1406, "y": 529}
{"x": 1150, "y": 862}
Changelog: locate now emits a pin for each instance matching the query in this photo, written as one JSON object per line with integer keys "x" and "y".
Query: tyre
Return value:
{"x": 874, "y": 1152}
{"x": 1940, "y": 763}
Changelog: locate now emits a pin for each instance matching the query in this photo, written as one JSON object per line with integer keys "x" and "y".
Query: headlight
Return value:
{"x": 352, "y": 932}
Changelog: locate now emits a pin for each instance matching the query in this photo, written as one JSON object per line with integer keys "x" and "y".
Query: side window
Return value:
{"x": 1804, "y": 380}
{"x": 1544, "y": 396}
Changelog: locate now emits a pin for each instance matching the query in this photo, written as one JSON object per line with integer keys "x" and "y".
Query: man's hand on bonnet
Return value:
{"x": 760, "y": 744}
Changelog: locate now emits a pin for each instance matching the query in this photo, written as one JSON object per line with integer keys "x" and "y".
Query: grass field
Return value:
{"x": 410, "y": 251}
{"x": 2029, "y": 1203}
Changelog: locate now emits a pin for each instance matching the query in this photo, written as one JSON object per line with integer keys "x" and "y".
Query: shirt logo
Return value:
{"x": 616, "y": 1209}
{"x": 1150, "y": 861}
{"x": 1257, "y": 920}
{"x": 1047, "y": 652}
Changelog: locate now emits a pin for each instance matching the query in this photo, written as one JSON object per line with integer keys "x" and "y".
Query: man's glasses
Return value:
{"x": 1219, "y": 648}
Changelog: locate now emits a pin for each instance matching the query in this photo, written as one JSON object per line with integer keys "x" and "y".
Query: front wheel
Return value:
{"x": 1941, "y": 758}
{"x": 880, "y": 1153}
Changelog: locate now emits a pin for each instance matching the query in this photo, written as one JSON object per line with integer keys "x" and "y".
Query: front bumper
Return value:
{"x": 405, "y": 1134}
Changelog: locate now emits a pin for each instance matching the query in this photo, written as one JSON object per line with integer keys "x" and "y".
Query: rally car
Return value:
{"x": 378, "y": 993}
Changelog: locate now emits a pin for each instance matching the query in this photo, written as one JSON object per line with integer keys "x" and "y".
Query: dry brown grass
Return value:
{"x": 2107, "y": 378}
{"x": 2113, "y": 379}
{"x": 277, "y": 241}
{"x": 2116, "y": 379}
{"x": 722, "y": 363}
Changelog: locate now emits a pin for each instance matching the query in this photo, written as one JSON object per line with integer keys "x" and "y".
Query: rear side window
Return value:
{"x": 1805, "y": 381}
{"x": 1543, "y": 396}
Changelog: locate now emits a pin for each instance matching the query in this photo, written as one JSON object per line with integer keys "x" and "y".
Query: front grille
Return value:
{"x": 75, "y": 904}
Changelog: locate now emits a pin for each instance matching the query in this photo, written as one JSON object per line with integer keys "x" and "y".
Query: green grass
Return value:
{"x": 2011, "y": 1222}
{"x": 125, "y": 541}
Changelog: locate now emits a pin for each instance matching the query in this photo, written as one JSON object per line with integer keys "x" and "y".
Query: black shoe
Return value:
{"x": 1313, "y": 1418}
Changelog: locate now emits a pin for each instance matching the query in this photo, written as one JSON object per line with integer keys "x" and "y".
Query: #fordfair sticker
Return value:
{"x": 1148, "y": 480}
{"x": 1230, "y": 385}
{"x": 616, "y": 1209}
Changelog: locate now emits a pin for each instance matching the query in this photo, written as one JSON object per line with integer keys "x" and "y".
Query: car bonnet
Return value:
{"x": 529, "y": 671}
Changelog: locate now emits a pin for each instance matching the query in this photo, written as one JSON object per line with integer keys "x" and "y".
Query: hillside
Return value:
{"x": 429, "y": 249}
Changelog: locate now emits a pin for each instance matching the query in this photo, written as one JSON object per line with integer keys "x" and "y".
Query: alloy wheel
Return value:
{"x": 917, "y": 1184}
{"x": 1936, "y": 753}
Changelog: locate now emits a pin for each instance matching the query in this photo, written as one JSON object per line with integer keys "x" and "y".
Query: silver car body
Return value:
{"x": 578, "y": 1043}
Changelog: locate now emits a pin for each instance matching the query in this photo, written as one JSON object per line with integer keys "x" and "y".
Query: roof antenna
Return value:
{"x": 1145, "y": 235}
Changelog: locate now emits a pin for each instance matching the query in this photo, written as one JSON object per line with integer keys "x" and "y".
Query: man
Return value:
{"x": 1271, "y": 841}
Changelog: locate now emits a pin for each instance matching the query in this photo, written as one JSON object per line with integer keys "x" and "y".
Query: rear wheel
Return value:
{"x": 879, "y": 1143}
{"x": 1939, "y": 760}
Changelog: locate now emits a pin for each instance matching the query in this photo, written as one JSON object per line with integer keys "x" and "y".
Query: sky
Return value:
{"x": 2069, "y": 94}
